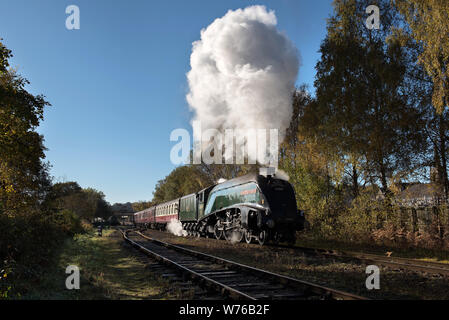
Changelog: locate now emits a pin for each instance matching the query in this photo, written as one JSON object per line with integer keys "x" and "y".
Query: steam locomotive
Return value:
{"x": 252, "y": 207}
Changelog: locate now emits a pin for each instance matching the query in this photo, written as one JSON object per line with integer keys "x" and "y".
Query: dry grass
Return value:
{"x": 308, "y": 240}
{"x": 108, "y": 268}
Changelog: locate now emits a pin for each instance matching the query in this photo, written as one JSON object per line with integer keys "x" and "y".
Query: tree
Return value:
{"x": 23, "y": 175}
{"x": 181, "y": 181}
{"x": 86, "y": 203}
{"x": 141, "y": 205}
{"x": 425, "y": 33}
{"x": 429, "y": 22}
{"x": 365, "y": 115}
{"x": 308, "y": 163}
{"x": 96, "y": 204}
{"x": 68, "y": 196}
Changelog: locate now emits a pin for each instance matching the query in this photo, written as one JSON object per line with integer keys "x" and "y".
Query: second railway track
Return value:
{"x": 232, "y": 280}
{"x": 391, "y": 262}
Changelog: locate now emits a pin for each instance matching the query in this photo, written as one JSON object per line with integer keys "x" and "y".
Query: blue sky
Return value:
{"x": 117, "y": 86}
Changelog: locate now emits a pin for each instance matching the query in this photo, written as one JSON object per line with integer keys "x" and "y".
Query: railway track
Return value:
{"x": 230, "y": 279}
{"x": 367, "y": 258}
{"x": 429, "y": 267}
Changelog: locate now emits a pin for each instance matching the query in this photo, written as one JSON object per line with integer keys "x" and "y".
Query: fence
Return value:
{"x": 428, "y": 219}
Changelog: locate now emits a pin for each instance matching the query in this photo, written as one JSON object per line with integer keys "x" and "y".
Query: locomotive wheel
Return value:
{"x": 217, "y": 232}
{"x": 248, "y": 237}
{"x": 262, "y": 238}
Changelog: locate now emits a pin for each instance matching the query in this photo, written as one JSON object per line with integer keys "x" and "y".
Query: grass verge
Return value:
{"x": 108, "y": 270}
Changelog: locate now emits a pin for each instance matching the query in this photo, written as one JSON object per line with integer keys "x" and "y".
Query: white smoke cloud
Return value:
{"x": 175, "y": 227}
{"x": 243, "y": 73}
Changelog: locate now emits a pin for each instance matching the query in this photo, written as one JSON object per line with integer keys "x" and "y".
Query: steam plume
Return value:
{"x": 175, "y": 227}
{"x": 243, "y": 72}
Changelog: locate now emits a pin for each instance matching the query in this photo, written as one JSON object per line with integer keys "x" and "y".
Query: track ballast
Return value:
{"x": 230, "y": 279}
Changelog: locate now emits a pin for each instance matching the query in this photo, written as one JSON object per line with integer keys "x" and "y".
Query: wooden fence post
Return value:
{"x": 414, "y": 220}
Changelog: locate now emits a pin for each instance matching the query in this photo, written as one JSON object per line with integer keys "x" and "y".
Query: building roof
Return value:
{"x": 420, "y": 194}
{"x": 420, "y": 190}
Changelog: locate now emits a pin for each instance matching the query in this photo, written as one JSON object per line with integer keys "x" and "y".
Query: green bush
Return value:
{"x": 370, "y": 221}
{"x": 68, "y": 222}
{"x": 360, "y": 219}
{"x": 28, "y": 242}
